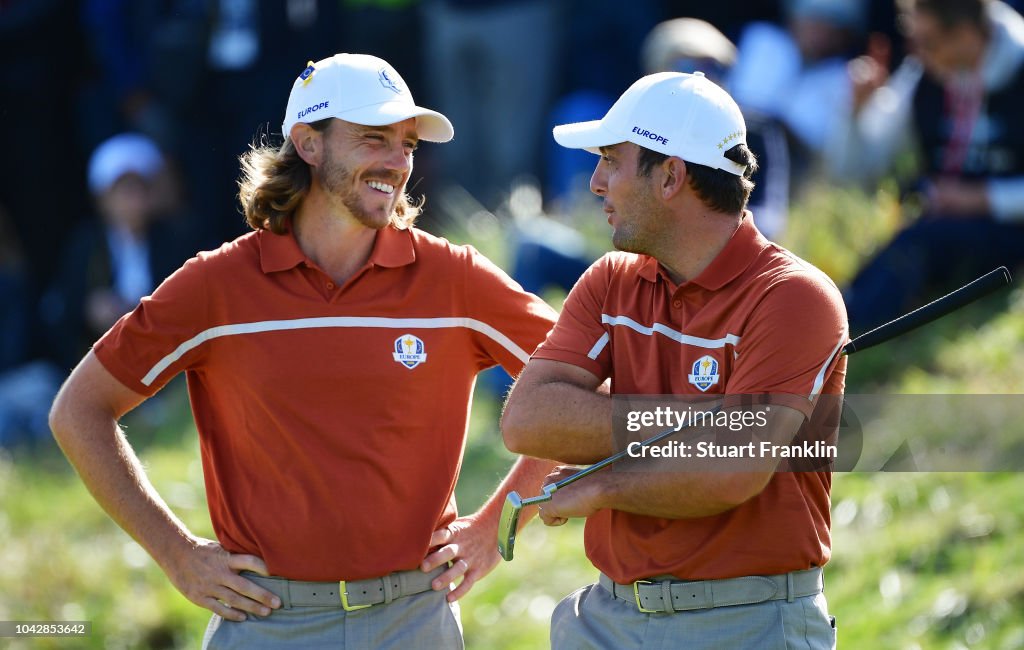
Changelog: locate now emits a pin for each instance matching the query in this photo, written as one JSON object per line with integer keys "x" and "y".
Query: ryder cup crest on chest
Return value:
{"x": 704, "y": 373}
{"x": 409, "y": 351}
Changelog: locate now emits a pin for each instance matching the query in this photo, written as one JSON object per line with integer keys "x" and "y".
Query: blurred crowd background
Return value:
{"x": 125, "y": 120}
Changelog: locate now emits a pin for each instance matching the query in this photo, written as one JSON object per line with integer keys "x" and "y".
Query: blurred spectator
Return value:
{"x": 147, "y": 62}
{"x": 958, "y": 100}
{"x": 188, "y": 74}
{"x": 602, "y": 43}
{"x": 144, "y": 62}
{"x": 549, "y": 254}
{"x": 113, "y": 261}
{"x": 492, "y": 66}
{"x": 688, "y": 45}
{"x": 797, "y": 74}
{"x": 599, "y": 59}
{"x": 567, "y": 170}
{"x": 729, "y": 16}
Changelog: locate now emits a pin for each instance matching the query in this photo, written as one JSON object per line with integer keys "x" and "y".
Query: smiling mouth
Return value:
{"x": 381, "y": 187}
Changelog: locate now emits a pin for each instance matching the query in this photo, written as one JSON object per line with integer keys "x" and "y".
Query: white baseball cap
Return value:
{"x": 126, "y": 153}
{"x": 361, "y": 89}
{"x": 674, "y": 113}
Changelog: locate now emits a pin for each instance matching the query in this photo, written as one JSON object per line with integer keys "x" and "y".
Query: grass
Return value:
{"x": 921, "y": 560}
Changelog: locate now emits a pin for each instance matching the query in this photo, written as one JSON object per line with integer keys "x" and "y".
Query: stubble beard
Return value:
{"x": 336, "y": 178}
{"x": 635, "y": 232}
{"x": 624, "y": 238}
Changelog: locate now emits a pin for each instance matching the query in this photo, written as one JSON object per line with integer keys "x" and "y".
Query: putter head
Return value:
{"x": 508, "y": 524}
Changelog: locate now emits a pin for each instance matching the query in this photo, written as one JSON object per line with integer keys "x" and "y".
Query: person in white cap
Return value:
{"x": 117, "y": 255}
{"x": 331, "y": 355}
{"x": 696, "y": 305}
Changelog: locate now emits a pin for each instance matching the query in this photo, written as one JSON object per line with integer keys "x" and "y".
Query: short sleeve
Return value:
{"x": 149, "y": 346}
{"x": 791, "y": 346}
{"x": 579, "y": 337}
{"x": 509, "y": 322}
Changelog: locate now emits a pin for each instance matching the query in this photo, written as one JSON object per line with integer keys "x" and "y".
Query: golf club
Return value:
{"x": 508, "y": 524}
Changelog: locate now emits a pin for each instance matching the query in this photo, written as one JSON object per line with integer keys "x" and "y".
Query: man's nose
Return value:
{"x": 399, "y": 160}
{"x": 599, "y": 180}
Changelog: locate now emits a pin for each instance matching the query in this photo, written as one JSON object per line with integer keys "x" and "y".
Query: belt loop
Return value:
{"x": 286, "y": 594}
{"x": 388, "y": 593}
{"x": 666, "y": 596}
{"x": 403, "y": 584}
{"x": 789, "y": 587}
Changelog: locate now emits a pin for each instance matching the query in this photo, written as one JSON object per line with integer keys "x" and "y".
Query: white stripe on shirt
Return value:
{"x": 333, "y": 321}
{"x": 819, "y": 380}
{"x": 665, "y": 330}
{"x": 728, "y": 339}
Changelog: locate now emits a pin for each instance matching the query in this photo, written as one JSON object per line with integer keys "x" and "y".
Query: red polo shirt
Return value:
{"x": 332, "y": 420}
{"x": 774, "y": 324}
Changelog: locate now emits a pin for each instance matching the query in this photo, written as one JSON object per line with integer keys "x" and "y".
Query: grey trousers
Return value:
{"x": 591, "y": 618}
{"x": 423, "y": 620}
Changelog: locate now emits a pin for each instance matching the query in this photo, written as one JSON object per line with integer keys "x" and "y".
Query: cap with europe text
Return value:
{"x": 674, "y": 113}
{"x": 361, "y": 89}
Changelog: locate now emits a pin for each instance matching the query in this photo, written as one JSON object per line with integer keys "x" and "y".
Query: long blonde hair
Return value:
{"x": 274, "y": 181}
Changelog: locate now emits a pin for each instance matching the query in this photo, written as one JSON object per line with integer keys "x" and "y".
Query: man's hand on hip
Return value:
{"x": 208, "y": 576}
{"x": 469, "y": 544}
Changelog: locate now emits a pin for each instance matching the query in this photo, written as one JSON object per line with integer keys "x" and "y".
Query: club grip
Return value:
{"x": 986, "y": 284}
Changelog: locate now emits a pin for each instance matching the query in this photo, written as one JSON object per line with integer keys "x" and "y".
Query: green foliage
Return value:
{"x": 920, "y": 560}
{"x": 837, "y": 228}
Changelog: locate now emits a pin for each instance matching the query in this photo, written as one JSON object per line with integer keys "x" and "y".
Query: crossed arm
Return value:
{"x": 556, "y": 411}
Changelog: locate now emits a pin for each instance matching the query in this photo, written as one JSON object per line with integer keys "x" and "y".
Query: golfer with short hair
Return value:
{"x": 331, "y": 356}
{"x": 696, "y": 304}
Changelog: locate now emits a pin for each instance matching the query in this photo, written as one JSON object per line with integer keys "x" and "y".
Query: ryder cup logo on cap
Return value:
{"x": 674, "y": 113}
{"x": 388, "y": 82}
{"x": 361, "y": 89}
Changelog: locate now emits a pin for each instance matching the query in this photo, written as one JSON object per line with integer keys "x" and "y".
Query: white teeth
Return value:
{"x": 382, "y": 187}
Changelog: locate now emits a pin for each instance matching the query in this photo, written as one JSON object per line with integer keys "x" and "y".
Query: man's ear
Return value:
{"x": 308, "y": 143}
{"x": 673, "y": 177}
